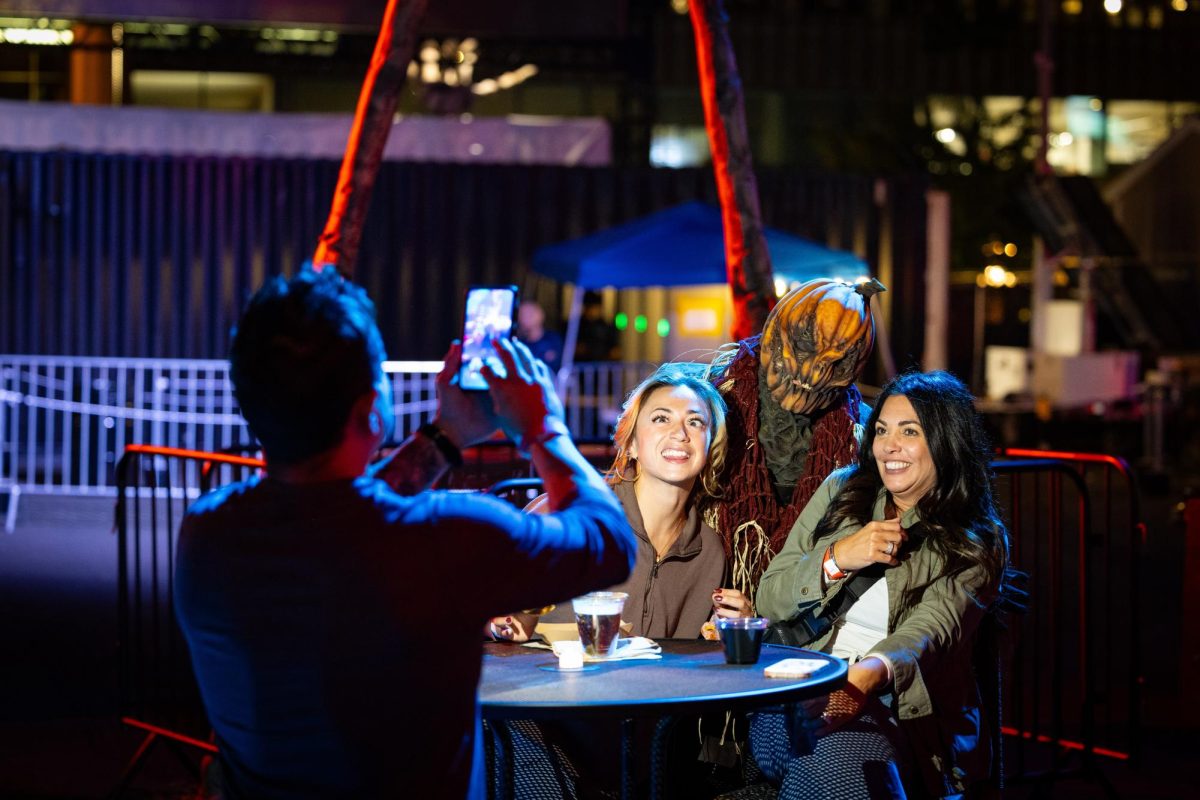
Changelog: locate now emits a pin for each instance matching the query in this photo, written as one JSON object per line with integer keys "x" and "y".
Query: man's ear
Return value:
{"x": 364, "y": 417}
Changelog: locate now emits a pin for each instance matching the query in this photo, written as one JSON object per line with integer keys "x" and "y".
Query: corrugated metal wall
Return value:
{"x": 117, "y": 255}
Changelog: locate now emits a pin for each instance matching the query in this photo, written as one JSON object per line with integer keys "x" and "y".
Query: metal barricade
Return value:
{"x": 1073, "y": 687}
{"x": 157, "y": 692}
{"x": 64, "y": 421}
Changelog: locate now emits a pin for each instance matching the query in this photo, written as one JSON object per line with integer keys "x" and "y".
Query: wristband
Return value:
{"x": 448, "y": 449}
{"x": 832, "y": 571}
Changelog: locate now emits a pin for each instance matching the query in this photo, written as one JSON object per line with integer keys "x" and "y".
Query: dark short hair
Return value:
{"x": 304, "y": 351}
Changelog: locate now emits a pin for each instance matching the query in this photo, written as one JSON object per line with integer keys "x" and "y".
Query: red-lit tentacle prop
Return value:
{"x": 747, "y": 262}
{"x": 338, "y": 244}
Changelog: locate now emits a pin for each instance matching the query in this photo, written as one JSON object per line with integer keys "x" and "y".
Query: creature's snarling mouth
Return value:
{"x": 799, "y": 384}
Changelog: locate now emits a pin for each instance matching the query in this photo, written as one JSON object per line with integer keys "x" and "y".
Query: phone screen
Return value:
{"x": 489, "y": 316}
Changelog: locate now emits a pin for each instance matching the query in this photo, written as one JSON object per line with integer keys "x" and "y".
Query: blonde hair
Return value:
{"x": 690, "y": 376}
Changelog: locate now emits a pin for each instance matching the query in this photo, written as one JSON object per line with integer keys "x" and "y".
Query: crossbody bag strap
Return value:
{"x": 812, "y": 621}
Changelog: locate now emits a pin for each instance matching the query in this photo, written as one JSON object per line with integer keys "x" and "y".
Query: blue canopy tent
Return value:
{"x": 680, "y": 246}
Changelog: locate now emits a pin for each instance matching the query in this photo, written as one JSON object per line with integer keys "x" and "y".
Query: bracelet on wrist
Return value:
{"x": 832, "y": 571}
{"x": 439, "y": 438}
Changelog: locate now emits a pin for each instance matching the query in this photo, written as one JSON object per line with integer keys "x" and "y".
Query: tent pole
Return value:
{"x": 568, "y": 359}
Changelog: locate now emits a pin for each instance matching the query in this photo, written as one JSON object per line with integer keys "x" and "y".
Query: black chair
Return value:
{"x": 518, "y": 491}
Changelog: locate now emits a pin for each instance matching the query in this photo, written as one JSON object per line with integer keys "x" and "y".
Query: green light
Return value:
{"x": 664, "y": 328}
{"x": 621, "y": 321}
{"x": 640, "y": 324}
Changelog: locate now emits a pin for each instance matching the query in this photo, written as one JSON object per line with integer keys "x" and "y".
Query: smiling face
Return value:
{"x": 901, "y": 452}
{"x": 671, "y": 436}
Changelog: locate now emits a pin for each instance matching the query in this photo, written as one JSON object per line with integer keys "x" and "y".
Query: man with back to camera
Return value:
{"x": 334, "y": 624}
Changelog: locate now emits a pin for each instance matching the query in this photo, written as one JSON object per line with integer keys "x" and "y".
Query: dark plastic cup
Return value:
{"x": 742, "y": 638}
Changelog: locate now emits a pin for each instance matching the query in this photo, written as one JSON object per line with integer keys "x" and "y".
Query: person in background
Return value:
{"x": 296, "y": 590}
{"x": 597, "y": 336}
{"x": 531, "y": 329}
{"x": 915, "y": 514}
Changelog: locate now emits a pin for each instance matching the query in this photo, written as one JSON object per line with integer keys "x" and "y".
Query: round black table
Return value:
{"x": 691, "y": 678}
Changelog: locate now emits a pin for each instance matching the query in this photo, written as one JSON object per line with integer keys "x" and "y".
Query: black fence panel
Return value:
{"x": 124, "y": 255}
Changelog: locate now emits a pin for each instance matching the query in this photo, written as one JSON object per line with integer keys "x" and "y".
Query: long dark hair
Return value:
{"x": 959, "y": 520}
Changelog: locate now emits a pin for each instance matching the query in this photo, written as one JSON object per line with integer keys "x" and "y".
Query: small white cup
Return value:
{"x": 570, "y": 654}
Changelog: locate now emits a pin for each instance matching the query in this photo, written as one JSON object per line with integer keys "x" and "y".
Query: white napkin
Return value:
{"x": 637, "y": 647}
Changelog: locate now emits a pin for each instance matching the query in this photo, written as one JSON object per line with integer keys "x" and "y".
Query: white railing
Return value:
{"x": 65, "y": 421}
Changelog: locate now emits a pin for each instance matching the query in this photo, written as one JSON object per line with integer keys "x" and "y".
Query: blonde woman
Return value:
{"x": 670, "y": 441}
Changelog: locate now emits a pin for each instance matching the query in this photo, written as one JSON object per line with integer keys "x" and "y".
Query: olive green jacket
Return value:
{"x": 929, "y": 641}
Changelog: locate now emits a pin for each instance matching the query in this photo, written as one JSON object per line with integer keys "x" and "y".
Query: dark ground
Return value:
{"x": 59, "y": 736}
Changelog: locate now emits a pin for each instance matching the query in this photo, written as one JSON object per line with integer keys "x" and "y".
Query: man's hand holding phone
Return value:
{"x": 526, "y": 405}
{"x": 465, "y": 417}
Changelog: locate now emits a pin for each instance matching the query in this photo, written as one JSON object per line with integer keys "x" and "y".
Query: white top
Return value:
{"x": 864, "y": 625}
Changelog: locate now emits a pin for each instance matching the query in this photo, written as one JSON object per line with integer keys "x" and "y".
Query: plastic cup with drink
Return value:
{"x": 742, "y": 638}
{"x": 598, "y": 616}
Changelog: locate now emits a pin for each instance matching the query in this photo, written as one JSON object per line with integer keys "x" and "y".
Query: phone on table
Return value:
{"x": 488, "y": 315}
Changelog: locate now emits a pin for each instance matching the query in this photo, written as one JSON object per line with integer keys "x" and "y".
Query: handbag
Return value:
{"x": 812, "y": 622}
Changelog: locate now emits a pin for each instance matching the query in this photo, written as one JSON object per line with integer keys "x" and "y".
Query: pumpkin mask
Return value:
{"x": 816, "y": 342}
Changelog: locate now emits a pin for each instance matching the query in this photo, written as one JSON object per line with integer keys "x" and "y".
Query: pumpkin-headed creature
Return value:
{"x": 815, "y": 342}
{"x": 793, "y": 415}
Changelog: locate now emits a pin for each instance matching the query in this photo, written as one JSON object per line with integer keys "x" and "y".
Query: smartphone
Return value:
{"x": 488, "y": 315}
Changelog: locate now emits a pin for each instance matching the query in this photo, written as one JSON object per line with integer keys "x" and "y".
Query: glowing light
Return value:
{"x": 640, "y": 323}
{"x": 1179, "y": 5}
{"x": 621, "y": 321}
{"x": 995, "y": 275}
{"x": 780, "y": 287}
{"x": 1072, "y": 6}
{"x": 36, "y": 36}
{"x": 679, "y": 6}
{"x": 663, "y": 328}
{"x": 1112, "y": 6}
{"x": 1010, "y": 249}
{"x": 699, "y": 321}
{"x": 946, "y": 135}
{"x": 997, "y": 247}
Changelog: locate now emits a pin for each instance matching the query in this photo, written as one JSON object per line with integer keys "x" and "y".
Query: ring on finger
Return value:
{"x": 891, "y": 546}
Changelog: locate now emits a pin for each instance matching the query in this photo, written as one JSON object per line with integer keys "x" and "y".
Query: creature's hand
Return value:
{"x": 875, "y": 542}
